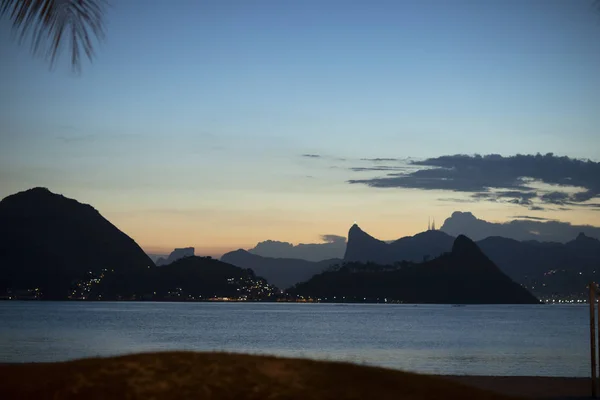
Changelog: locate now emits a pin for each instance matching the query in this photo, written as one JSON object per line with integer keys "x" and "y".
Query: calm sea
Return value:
{"x": 547, "y": 340}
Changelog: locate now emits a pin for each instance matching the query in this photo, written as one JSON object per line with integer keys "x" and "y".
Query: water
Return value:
{"x": 478, "y": 340}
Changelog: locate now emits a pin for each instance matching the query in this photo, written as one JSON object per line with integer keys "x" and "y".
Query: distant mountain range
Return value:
{"x": 281, "y": 272}
{"x": 176, "y": 255}
{"x": 463, "y": 276}
{"x": 61, "y": 249}
{"x": 521, "y": 228}
{"x": 546, "y": 268}
{"x": 333, "y": 247}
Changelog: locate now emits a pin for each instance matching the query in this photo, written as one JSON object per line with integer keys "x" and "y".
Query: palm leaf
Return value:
{"x": 51, "y": 23}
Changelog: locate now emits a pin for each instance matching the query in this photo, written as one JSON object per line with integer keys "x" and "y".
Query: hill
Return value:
{"x": 51, "y": 242}
{"x": 465, "y": 276}
{"x": 189, "y": 278}
{"x": 281, "y": 272}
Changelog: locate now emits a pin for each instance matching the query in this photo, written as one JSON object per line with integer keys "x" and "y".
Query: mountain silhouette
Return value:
{"x": 333, "y": 247}
{"x": 48, "y": 241}
{"x": 363, "y": 247}
{"x": 281, "y": 272}
{"x": 546, "y": 268}
{"x": 176, "y": 255}
{"x": 188, "y": 278}
{"x": 585, "y": 246}
{"x": 428, "y": 244}
{"x": 463, "y": 276}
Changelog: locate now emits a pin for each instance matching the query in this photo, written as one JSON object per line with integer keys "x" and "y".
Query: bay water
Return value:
{"x": 532, "y": 340}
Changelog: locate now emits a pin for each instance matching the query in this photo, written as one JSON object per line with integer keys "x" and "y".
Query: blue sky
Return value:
{"x": 194, "y": 115}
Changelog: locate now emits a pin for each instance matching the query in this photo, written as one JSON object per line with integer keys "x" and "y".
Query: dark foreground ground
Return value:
{"x": 187, "y": 375}
{"x": 531, "y": 386}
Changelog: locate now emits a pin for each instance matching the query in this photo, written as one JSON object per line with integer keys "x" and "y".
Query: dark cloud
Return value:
{"x": 515, "y": 197}
{"x": 497, "y": 178}
{"x": 560, "y": 198}
{"x": 523, "y": 228}
{"x": 536, "y": 208}
{"x": 311, "y": 155}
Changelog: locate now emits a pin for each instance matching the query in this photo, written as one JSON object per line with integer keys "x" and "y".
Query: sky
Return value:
{"x": 218, "y": 124}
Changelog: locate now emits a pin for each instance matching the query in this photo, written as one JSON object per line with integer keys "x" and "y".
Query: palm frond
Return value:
{"x": 51, "y": 23}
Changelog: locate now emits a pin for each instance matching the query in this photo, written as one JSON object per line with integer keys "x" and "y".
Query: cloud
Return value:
{"x": 333, "y": 238}
{"x": 380, "y": 168}
{"x": 532, "y": 218}
{"x": 555, "y": 198}
{"x": 311, "y": 155}
{"x": 380, "y": 159}
{"x": 522, "y": 228}
{"x": 537, "y": 208}
{"x": 516, "y": 197}
{"x": 458, "y": 200}
{"x": 497, "y": 178}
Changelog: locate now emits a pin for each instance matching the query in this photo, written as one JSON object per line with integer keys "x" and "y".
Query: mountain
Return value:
{"x": 424, "y": 245}
{"x": 281, "y": 272}
{"x": 585, "y": 246}
{"x": 363, "y": 247}
{"x": 156, "y": 257}
{"x": 48, "y": 242}
{"x": 333, "y": 247}
{"x": 176, "y": 255}
{"x": 547, "y": 268}
{"x": 188, "y": 278}
{"x": 463, "y": 276}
